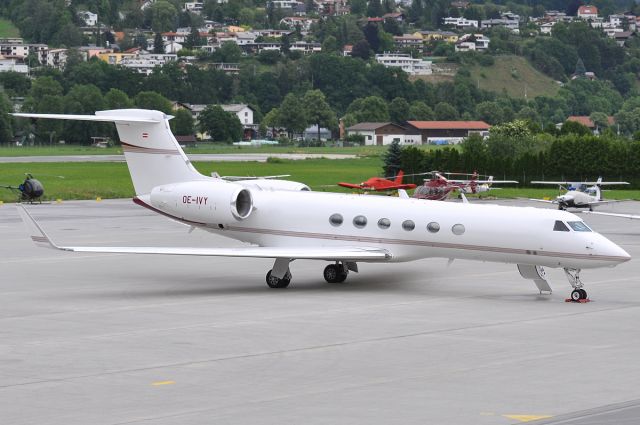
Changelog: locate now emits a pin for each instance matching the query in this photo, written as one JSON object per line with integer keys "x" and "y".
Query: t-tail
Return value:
{"x": 153, "y": 155}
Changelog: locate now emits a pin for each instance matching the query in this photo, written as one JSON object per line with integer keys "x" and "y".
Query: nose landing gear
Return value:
{"x": 578, "y": 294}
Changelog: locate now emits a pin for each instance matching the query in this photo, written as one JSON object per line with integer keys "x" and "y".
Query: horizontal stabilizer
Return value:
{"x": 117, "y": 116}
{"x": 304, "y": 253}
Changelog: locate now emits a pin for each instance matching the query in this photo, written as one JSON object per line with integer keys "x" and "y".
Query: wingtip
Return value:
{"x": 38, "y": 236}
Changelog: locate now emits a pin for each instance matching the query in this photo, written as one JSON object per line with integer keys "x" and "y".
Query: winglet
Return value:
{"x": 403, "y": 194}
{"x": 38, "y": 236}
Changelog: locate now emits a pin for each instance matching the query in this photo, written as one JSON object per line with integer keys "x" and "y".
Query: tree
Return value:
{"x": 374, "y": 8}
{"x": 330, "y": 45}
{"x": 220, "y": 125}
{"x": 229, "y": 52}
{"x": 153, "y": 100}
{"x": 369, "y": 109}
{"x": 444, "y": 112}
{"x": 392, "y": 159}
{"x": 158, "y": 44}
{"x": 292, "y": 114}
{"x": 163, "y": 16}
{"x": 182, "y": 124}
{"x": 580, "y": 69}
{"x": 117, "y": 99}
{"x": 600, "y": 119}
{"x": 318, "y": 111}
{"x": 361, "y": 50}
{"x": 193, "y": 39}
{"x": 419, "y": 111}
{"x": 399, "y": 110}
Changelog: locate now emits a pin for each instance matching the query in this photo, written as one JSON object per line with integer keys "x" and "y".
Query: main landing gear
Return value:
{"x": 280, "y": 275}
{"x": 336, "y": 273}
{"x": 578, "y": 294}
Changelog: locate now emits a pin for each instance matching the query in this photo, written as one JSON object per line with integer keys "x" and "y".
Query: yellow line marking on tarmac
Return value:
{"x": 527, "y": 418}
{"x": 159, "y": 383}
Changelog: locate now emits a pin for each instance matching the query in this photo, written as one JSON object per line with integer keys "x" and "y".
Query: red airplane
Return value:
{"x": 380, "y": 184}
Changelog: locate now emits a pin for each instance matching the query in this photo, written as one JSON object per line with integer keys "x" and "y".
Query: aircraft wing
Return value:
{"x": 631, "y": 216}
{"x": 351, "y": 185}
{"x": 553, "y": 183}
{"x": 548, "y": 201}
{"x": 303, "y": 253}
{"x": 610, "y": 201}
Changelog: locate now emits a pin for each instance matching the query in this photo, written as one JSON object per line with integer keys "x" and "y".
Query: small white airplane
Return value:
{"x": 343, "y": 229}
{"x": 579, "y": 195}
{"x": 481, "y": 186}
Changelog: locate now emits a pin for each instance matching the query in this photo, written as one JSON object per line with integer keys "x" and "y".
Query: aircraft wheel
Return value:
{"x": 583, "y": 293}
{"x": 343, "y": 276}
{"x": 274, "y": 282}
{"x": 333, "y": 274}
{"x": 576, "y": 295}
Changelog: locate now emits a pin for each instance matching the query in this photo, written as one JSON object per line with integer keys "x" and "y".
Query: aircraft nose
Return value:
{"x": 616, "y": 253}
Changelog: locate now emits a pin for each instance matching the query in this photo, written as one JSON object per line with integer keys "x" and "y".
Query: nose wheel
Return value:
{"x": 578, "y": 294}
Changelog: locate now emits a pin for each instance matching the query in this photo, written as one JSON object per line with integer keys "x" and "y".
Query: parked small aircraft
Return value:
{"x": 31, "y": 190}
{"x": 340, "y": 228}
{"x": 579, "y": 195}
{"x": 380, "y": 184}
{"x": 438, "y": 188}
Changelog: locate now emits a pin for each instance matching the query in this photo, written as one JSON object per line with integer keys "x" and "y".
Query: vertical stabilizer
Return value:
{"x": 399, "y": 177}
{"x": 153, "y": 155}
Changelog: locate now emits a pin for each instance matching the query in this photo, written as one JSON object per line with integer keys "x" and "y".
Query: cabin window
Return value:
{"x": 457, "y": 229}
{"x": 433, "y": 227}
{"x": 360, "y": 221}
{"x": 578, "y": 226}
{"x": 408, "y": 225}
{"x": 560, "y": 227}
{"x": 336, "y": 220}
{"x": 384, "y": 223}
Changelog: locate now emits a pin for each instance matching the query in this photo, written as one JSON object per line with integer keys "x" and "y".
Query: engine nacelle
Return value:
{"x": 207, "y": 201}
{"x": 272, "y": 184}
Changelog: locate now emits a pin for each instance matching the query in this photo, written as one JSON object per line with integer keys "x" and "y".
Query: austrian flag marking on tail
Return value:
{"x": 145, "y": 135}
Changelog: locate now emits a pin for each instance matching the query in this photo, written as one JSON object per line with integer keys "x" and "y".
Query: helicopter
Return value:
{"x": 31, "y": 190}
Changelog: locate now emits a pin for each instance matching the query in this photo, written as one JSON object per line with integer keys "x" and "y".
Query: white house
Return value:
{"x": 587, "y": 12}
{"x": 10, "y": 65}
{"x": 405, "y": 62}
{"x": 193, "y": 7}
{"x": 461, "y": 23}
{"x": 144, "y": 64}
{"x": 90, "y": 19}
{"x": 472, "y": 42}
{"x": 384, "y": 133}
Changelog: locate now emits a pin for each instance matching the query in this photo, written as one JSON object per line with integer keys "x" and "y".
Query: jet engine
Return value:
{"x": 204, "y": 201}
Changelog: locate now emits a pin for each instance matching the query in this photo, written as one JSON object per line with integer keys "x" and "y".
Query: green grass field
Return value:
{"x": 7, "y": 29}
{"x": 514, "y": 75}
{"x": 111, "y": 179}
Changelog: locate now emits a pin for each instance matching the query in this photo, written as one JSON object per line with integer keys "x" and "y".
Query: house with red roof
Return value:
{"x": 448, "y": 132}
{"x": 587, "y": 12}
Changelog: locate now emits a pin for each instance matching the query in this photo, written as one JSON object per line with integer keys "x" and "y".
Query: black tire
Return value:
{"x": 332, "y": 273}
{"x": 583, "y": 293}
{"x": 275, "y": 283}
{"x": 342, "y": 277}
{"x": 576, "y": 295}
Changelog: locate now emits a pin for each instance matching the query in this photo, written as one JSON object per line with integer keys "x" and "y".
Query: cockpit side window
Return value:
{"x": 578, "y": 226}
{"x": 560, "y": 227}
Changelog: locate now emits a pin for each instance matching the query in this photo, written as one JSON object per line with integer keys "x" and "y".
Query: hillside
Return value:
{"x": 7, "y": 29}
{"x": 514, "y": 75}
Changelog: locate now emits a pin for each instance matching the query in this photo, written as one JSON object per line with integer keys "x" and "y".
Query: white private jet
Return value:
{"x": 341, "y": 228}
{"x": 579, "y": 195}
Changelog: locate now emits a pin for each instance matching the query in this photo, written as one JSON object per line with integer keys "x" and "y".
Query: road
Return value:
{"x": 259, "y": 157}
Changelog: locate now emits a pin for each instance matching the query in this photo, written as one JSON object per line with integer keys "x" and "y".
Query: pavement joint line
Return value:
{"x": 587, "y": 413}
{"x": 278, "y": 352}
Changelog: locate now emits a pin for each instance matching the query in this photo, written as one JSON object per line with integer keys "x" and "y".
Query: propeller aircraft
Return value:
{"x": 379, "y": 184}
{"x": 343, "y": 229}
{"x": 579, "y": 195}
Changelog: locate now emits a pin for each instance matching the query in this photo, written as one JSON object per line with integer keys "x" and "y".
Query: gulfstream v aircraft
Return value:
{"x": 343, "y": 229}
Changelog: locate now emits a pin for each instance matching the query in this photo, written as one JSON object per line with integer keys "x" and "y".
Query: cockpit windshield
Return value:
{"x": 559, "y": 226}
{"x": 578, "y": 226}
